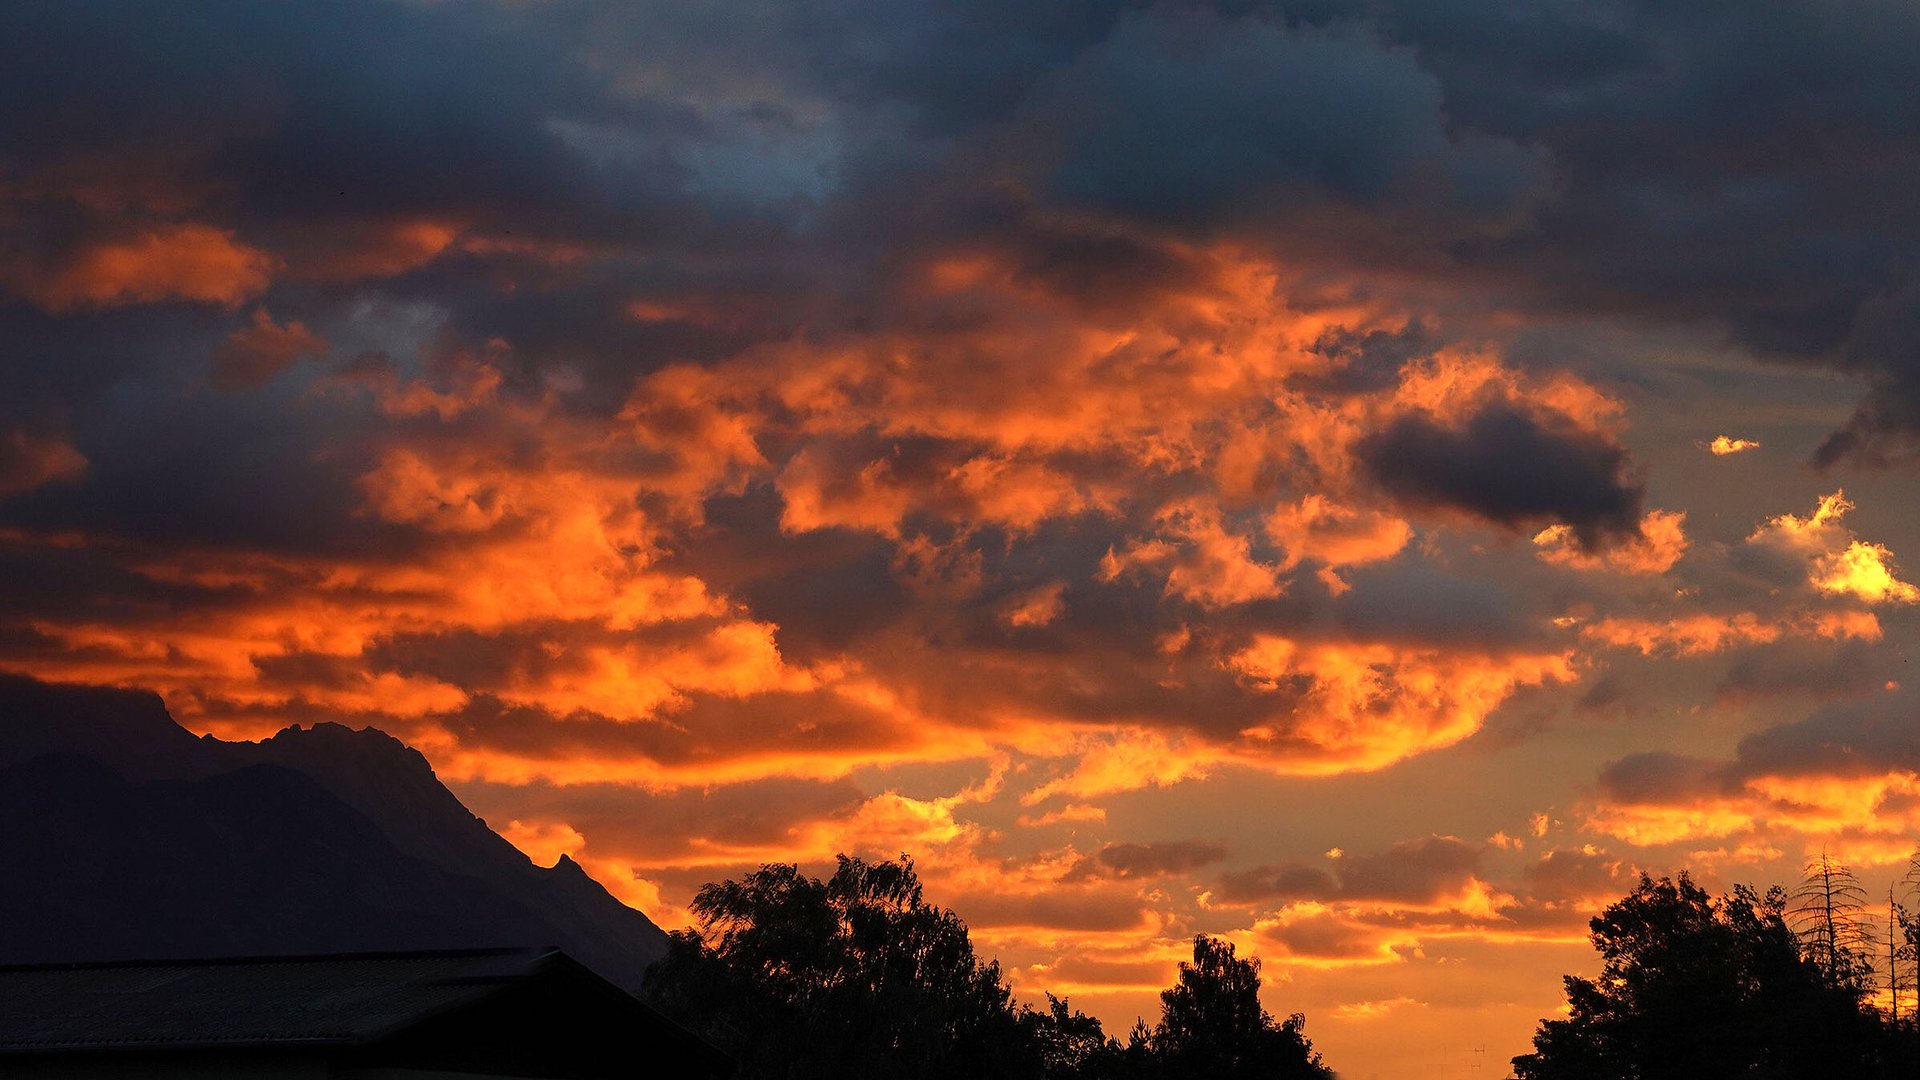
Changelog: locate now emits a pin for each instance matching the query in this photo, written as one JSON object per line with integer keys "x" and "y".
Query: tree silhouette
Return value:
{"x": 1828, "y": 914}
{"x": 854, "y": 976}
{"x": 1904, "y": 947}
{"x": 858, "y": 976}
{"x": 1899, "y": 952}
{"x": 1907, "y": 920}
{"x": 1072, "y": 1044}
{"x": 1693, "y": 987}
{"x": 1213, "y": 1025}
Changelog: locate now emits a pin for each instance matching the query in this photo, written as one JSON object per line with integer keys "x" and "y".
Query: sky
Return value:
{"x": 1364, "y": 479}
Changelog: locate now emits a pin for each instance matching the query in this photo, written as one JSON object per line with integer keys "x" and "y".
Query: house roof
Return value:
{"x": 336, "y": 1000}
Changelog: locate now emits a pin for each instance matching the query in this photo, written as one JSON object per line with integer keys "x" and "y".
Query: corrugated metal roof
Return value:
{"x": 256, "y": 1001}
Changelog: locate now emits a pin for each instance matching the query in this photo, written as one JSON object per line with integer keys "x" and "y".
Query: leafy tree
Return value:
{"x": 1692, "y": 987}
{"x": 1213, "y": 1025}
{"x": 858, "y": 976}
{"x": 1072, "y": 1044}
{"x": 853, "y": 976}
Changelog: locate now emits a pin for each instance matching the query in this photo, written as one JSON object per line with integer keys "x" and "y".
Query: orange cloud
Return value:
{"x": 1366, "y": 706}
{"x": 1659, "y": 544}
{"x": 1863, "y": 570}
{"x": 1317, "y": 528}
{"x": 1037, "y": 607}
{"x": 544, "y": 841}
{"x": 1877, "y": 813}
{"x": 1838, "y": 562}
{"x": 1697, "y": 634}
{"x": 187, "y": 261}
{"x": 257, "y": 352}
{"x": 1202, "y": 560}
{"x": 635, "y": 682}
{"x": 1124, "y": 761}
{"x": 1069, "y": 520}
{"x": 1723, "y": 445}
{"x": 1847, "y": 772}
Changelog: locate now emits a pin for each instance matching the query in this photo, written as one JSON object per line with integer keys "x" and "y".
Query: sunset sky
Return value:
{"x": 1360, "y": 477}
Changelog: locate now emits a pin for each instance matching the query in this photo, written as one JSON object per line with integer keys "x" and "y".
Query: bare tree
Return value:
{"x": 1908, "y": 920}
{"x": 1899, "y": 952}
{"x": 1828, "y": 915}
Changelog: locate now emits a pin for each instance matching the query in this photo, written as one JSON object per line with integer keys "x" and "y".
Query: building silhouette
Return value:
{"x": 445, "y": 1015}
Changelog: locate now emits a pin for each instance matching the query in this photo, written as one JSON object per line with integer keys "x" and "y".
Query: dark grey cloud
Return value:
{"x": 1658, "y": 776}
{"x": 1844, "y": 739}
{"x": 1565, "y": 875}
{"x": 1761, "y": 187}
{"x": 1741, "y": 165}
{"x": 1821, "y": 670}
{"x": 1293, "y": 881}
{"x": 1423, "y": 605}
{"x": 186, "y": 471}
{"x": 1410, "y": 871}
{"x": 1511, "y": 467}
{"x": 1848, "y": 738}
{"x": 1368, "y": 362}
{"x": 1190, "y": 115}
{"x": 1159, "y": 858}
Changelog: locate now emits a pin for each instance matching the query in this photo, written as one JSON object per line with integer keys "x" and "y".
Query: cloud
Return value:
{"x": 185, "y": 261}
{"x": 1837, "y": 562}
{"x": 1292, "y": 110}
{"x": 1725, "y": 445}
{"x": 1128, "y": 860}
{"x": 544, "y": 841}
{"x": 1203, "y": 561}
{"x": 724, "y": 439}
{"x": 1415, "y": 897}
{"x": 255, "y": 353}
{"x": 1375, "y": 1010}
{"x": 1321, "y": 530}
{"x": 1659, "y": 544}
{"x": 1706, "y": 632}
{"x": 1841, "y": 738}
{"x": 28, "y": 461}
{"x": 1855, "y": 669}
{"x": 1509, "y": 467}
{"x": 1426, "y": 872}
{"x": 1585, "y": 877}
{"x": 1847, "y": 772}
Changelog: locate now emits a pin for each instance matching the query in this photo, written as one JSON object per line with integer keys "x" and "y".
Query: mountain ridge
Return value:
{"x": 112, "y": 815}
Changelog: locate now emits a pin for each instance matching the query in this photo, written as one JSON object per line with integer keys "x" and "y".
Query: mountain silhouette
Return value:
{"x": 124, "y": 836}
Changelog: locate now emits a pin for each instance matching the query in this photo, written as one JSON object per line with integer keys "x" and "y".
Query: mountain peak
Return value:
{"x": 410, "y": 864}
{"x": 368, "y": 743}
{"x": 129, "y": 731}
